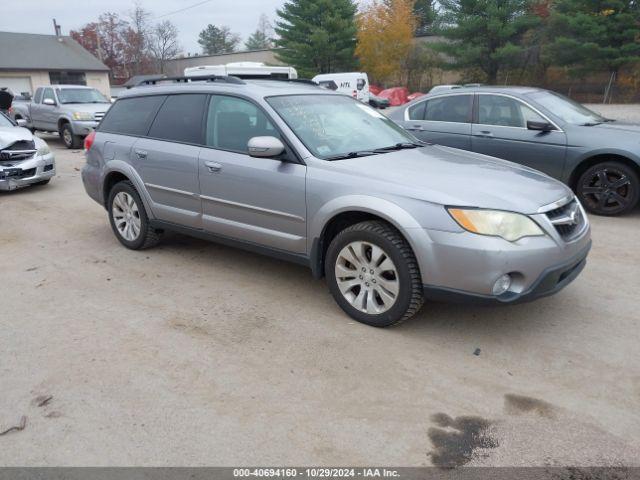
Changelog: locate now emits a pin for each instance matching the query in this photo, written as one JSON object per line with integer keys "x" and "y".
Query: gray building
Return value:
{"x": 29, "y": 61}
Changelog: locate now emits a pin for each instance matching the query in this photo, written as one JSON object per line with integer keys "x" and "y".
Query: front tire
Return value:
{"x": 373, "y": 274}
{"x": 70, "y": 140}
{"x": 609, "y": 188}
{"x": 128, "y": 218}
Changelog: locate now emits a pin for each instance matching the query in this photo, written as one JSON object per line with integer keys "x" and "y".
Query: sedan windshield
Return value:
{"x": 336, "y": 126}
{"x": 80, "y": 95}
{"x": 567, "y": 109}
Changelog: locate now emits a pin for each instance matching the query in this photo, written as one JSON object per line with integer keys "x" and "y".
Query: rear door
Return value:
{"x": 500, "y": 130}
{"x": 167, "y": 159}
{"x": 257, "y": 200}
{"x": 445, "y": 120}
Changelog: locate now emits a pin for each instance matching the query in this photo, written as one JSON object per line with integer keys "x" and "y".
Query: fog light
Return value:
{"x": 502, "y": 284}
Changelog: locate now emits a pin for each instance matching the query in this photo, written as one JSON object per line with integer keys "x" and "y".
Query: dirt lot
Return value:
{"x": 198, "y": 354}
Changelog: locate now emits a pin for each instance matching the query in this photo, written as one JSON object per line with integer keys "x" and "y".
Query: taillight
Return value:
{"x": 88, "y": 141}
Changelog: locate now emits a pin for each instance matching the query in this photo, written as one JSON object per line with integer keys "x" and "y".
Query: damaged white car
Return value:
{"x": 24, "y": 158}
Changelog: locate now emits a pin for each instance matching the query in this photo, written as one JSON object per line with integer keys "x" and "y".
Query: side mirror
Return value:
{"x": 21, "y": 122}
{"x": 48, "y": 101}
{"x": 265, "y": 147}
{"x": 541, "y": 126}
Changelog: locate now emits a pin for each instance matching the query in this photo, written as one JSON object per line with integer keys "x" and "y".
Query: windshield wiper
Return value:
{"x": 609, "y": 119}
{"x": 398, "y": 146}
{"x": 590, "y": 124}
{"x": 359, "y": 153}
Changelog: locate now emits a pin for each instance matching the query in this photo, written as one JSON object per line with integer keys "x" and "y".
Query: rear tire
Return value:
{"x": 608, "y": 188}
{"x": 373, "y": 274}
{"x": 128, "y": 218}
{"x": 70, "y": 140}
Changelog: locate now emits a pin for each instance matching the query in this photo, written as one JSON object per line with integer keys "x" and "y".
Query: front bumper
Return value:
{"x": 551, "y": 280}
{"x": 82, "y": 127}
{"x": 26, "y": 172}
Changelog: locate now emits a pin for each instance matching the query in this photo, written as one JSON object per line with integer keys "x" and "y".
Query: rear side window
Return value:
{"x": 450, "y": 108}
{"x": 38, "y": 97}
{"x": 416, "y": 112}
{"x": 131, "y": 116}
{"x": 180, "y": 119}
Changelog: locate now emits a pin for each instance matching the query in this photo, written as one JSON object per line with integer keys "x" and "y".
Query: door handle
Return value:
{"x": 484, "y": 134}
{"x": 415, "y": 127}
{"x": 213, "y": 167}
{"x": 141, "y": 154}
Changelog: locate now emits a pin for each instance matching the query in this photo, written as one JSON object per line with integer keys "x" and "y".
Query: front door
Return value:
{"x": 444, "y": 120}
{"x": 501, "y": 131}
{"x": 257, "y": 200}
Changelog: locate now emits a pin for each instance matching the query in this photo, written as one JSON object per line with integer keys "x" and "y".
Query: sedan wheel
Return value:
{"x": 609, "y": 188}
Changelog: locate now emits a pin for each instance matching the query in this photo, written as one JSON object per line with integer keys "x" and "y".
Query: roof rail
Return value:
{"x": 208, "y": 78}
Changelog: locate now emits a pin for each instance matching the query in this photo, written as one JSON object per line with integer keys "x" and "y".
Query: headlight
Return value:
{"x": 82, "y": 116}
{"x": 43, "y": 150}
{"x": 510, "y": 226}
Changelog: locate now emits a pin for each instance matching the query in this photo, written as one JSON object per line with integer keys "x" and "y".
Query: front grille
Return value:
{"x": 98, "y": 116}
{"x": 568, "y": 219}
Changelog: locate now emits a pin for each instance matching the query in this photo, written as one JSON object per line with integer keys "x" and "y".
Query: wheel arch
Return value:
{"x": 62, "y": 121}
{"x": 592, "y": 160}
{"x": 121, "y": 171}
{"x": 332, "y": 219}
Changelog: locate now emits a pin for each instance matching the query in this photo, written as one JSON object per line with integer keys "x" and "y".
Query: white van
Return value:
{"x": 354, "y": 84}
{"x": 242, "y": 70}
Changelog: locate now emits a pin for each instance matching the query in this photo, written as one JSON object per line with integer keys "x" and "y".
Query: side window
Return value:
{"x": 449, "y": 108}
{"x": 38, "y": 97}
{"x": 232, "y": 121}
{"x": 48, "y": 94}
{"x": 505, "y": 111}
{"x": 180, "y": 119}
{"x": 416, "y": 112}
{"x": 131, "y": 116}
{"x": 328, "y": 84}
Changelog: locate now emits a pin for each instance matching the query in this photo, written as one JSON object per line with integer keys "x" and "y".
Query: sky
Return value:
{"x": 240, "y": 15}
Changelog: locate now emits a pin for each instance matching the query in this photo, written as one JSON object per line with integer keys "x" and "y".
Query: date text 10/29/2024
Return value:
{"x": 315, "y": 472}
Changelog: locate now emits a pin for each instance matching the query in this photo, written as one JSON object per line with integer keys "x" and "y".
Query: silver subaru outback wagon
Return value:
{"x": 294, "y": 171}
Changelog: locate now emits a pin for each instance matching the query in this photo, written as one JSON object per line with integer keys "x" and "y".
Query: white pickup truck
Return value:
{"x": 73, "y": 111}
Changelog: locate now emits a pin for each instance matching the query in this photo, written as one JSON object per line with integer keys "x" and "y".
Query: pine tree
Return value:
{"x": 484, "y": 35}
{"x": 590, "y": 35}
{"x": 214, "y": 40}
{"x": 262, "y": 38}
{"x": 317, "y": 36}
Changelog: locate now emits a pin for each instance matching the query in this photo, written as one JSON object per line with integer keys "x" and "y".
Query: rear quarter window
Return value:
{"x": 131, "y": 116}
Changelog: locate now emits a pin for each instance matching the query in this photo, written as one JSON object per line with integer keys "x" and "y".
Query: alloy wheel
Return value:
{"x": 607, "y": 190}
{"x": 126, "y": 216}
{"x": 367, "y": 277}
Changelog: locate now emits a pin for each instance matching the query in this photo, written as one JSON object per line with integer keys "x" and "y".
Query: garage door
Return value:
{"x": 16, "y": 84}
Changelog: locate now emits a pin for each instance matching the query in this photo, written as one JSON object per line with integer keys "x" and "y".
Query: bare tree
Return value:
{"x": 137, "y": 36}
{"x": 164, "y": 43}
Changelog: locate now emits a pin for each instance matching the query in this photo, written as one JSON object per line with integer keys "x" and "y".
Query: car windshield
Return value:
{"x": 567, "y": 109}
{"x": 5, "y": 122}
{"x": 337, "y": 126}
{"x": 80, "y": 95}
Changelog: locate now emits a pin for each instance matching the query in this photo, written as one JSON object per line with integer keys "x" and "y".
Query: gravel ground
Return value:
{"x": 198, "y": 354}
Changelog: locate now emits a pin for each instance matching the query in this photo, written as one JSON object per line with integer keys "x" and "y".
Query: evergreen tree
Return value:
{"x": 484, "y": 35}
{"x": 261, "y": 39}
{"x": 214, "y": 40}
{"x": 425, "y": 14}
{"x": 594, "y": 35}
{"x": 317, "y": 36}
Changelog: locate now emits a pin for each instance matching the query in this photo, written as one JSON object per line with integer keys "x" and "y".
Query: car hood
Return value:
{"x": 86, "y": 107}
{"x": 11, "y": 135}
{"x": 617, "y": 126}
{"x": 449, "y": 176}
